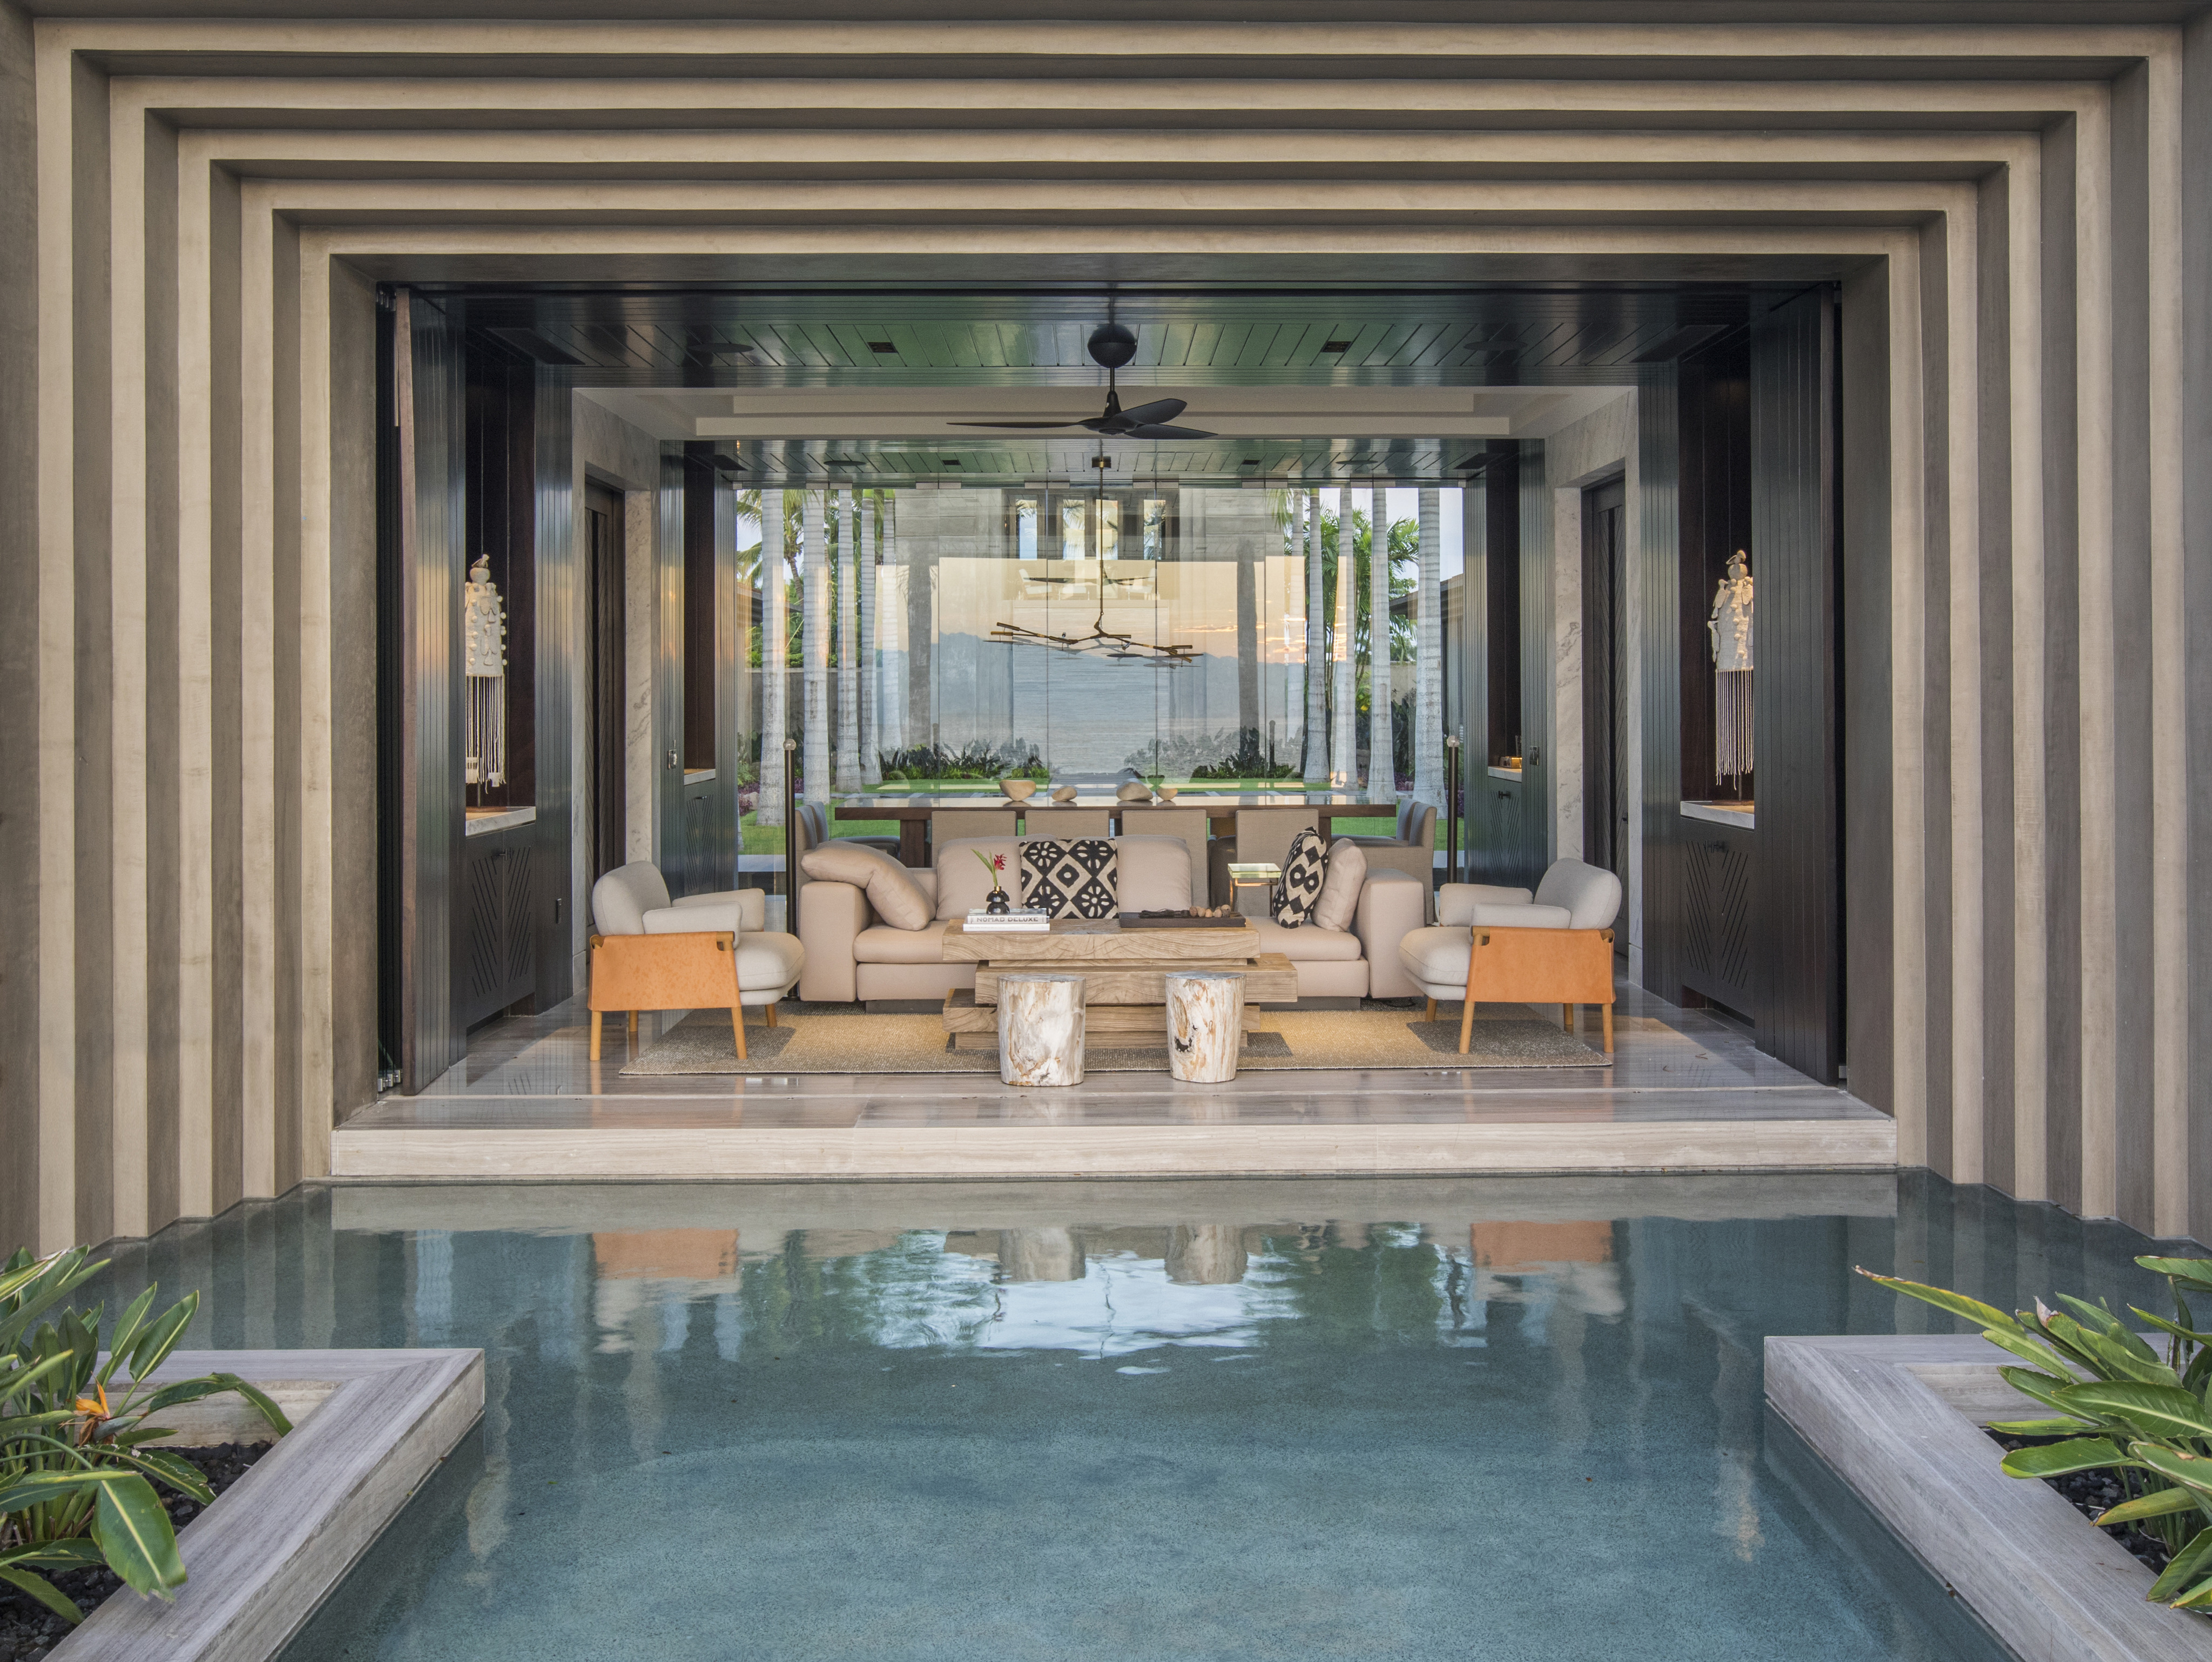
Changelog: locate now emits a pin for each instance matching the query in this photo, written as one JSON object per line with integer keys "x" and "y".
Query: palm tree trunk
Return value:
{"x": 775, "y": 646}
{"x": 1316, "y": 766}
{"x": 814, "y": 649}
{"x": 848, "y": 644}
{"x": 1382, "y": 762}
{"x": 1344, "y": 760}
{"x": 1428, "y": 657}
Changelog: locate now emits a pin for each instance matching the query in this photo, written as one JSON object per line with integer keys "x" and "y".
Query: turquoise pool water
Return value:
{"x": 1495, "y": 1419}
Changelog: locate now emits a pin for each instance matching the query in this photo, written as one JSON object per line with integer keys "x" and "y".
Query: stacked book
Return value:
{"x": 1029, "y": 922}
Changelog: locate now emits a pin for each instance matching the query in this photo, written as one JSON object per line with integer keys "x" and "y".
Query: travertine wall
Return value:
{"x": 189, "y": 234}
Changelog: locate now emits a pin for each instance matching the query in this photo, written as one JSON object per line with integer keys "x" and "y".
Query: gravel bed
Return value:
{"x": 2091, "y": 1493}
{"x": 28, "y": 1629}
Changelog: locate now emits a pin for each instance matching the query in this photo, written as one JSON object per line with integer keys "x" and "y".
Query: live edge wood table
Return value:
{"x": 1124, "y": 972}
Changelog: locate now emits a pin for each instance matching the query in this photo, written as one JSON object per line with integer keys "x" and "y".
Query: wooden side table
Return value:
{"x": 1124, "y": 971}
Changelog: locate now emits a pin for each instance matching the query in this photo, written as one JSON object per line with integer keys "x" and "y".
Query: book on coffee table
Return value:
{"x": 1028, "y": 922}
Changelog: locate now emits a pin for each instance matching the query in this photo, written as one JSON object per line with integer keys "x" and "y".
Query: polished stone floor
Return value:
{"x": 1668, "y": 1063}
{"x": 1499, "y": 1418}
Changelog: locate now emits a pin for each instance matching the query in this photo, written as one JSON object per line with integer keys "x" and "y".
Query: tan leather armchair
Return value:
{"x": 1502, "y": 946}
{"x": 705, "y": 951}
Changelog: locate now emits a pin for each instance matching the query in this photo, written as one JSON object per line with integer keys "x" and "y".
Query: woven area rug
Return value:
{"x": 838, "y": 1038}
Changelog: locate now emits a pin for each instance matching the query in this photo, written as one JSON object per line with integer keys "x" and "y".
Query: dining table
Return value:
{"x": 912, "y": 812}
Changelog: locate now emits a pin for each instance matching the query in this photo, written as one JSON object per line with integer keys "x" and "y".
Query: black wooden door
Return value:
{"x": 605, "y": 784}
{"x": 1607, "y": 792}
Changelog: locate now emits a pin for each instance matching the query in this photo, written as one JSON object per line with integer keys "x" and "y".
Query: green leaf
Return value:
{"x": 44, "y": 1591}
{"x": 135, "y": 1536}
{"x": 259, "y": 1398}
{"x": 76, "y": 1552}
{"x": 2111, "y": 1358}
{"x": 2156, "y": 1504}
{"x": 1956, "y": 1304}
{"x": 179, "y": 1473}
{"x": 2031, "y": 1349}
{"x": 2185, "y": 1568}
{"x": 2174, "y": 1328}
{"x": 2161, "y": 1410}
{"x": 2196, "y": 1271}
{"x": 2037, "y": 1427}
{"x": 160, "y": 1337}
{"x": 2055, "y": 1459}
{"x": 2037, "y": 1386}
{"x": 127, "y": 1333}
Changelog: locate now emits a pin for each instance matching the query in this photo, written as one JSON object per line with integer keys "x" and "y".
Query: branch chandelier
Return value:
{"x": 1111, "y": 346}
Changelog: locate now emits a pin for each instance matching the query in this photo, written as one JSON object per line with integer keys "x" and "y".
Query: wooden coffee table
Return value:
{"x": 1123, "y": 971}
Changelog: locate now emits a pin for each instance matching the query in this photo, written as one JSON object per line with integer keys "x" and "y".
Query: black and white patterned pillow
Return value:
{"x": 1079, "y": 879}
{"x": 1303, "y": 870}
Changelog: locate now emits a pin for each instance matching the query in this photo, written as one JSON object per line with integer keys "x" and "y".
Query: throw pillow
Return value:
{"x": 1078, "y": 879}
{"x": 1339, "y": 890}
{"x": 1302, "y": 878}
{"x": 897, "y": 898}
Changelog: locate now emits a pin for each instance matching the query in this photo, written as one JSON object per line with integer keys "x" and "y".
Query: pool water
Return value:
{"x": 1493, "y": 1418}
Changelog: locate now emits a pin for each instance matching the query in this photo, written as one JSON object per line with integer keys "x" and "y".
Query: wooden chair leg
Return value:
{"x": 1466, "y": 1025}
{"x": 595, "y": 1035}
{"x": 633, "y": 1024}
{"x": 1607, "y": 1009}
{"x": 771, "y": 1016}
{"x": 1431, "y": 1015}
{"x": 737, "y": 1022}
{"x": 1567, "y": 1017}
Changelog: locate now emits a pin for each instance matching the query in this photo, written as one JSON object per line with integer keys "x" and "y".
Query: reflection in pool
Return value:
{"x": 1495, "y": 1418}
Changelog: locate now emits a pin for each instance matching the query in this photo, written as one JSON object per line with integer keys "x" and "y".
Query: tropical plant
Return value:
{"x": 76, "y": 1475}
{"x": 2146, "y": 1419}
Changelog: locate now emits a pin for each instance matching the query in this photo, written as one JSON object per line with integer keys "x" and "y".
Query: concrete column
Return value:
{"x": 1344, "y": 726}
{"x": 1381, "y": 770}
{"x": 1316, "y": 640}
{"x": 774, "y": 650}
{"x": 871, "y": 528}
{"x": 814, "y": 651}
{"x": 849, "y": 648}
{"x": 1428, "y": 657}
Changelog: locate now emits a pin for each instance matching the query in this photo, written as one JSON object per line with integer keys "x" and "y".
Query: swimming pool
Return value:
{"x": 1492, "y": 1418}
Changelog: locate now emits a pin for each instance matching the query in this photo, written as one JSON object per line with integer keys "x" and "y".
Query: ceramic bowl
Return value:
{"x": 1065, "y": 794}
{"x": 1017, "y": 790}
{"x": 1164, "y": 794}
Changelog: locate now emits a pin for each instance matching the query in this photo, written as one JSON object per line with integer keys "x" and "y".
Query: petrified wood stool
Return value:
{"x": 1206, "y": 1024}
{"x": 1040, "y": 1022}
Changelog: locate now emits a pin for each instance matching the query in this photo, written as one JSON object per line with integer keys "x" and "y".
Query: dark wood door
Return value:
{"x": 605, "y": 784}
{"x": 1607, "y": 765}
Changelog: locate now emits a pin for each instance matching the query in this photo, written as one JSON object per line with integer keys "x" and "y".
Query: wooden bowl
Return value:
{"x": 1017, "y": 790}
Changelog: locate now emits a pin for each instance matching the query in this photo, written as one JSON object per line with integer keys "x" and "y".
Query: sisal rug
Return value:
{"x": 837, "y": 1038}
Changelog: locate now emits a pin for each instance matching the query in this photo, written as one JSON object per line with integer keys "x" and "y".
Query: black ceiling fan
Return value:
{"x": 1111, "y": 346}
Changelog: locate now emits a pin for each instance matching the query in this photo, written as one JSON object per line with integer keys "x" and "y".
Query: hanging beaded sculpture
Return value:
{"x": 1730, "y": 629}
{"x": 483, "y": 638}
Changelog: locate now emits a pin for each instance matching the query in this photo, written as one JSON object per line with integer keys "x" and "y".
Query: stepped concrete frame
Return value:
{"x": 188, "y": 263}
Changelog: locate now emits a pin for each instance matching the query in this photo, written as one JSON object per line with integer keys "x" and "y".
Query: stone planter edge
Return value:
{"x": 1899, "y": 1419}
{"x": 368, "y": 1427}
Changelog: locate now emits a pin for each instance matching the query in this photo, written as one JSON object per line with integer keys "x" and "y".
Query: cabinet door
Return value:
{"x": 1716, "y": 920}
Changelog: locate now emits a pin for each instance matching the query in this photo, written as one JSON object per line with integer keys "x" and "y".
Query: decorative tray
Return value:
{"x": 1178, "y": 920}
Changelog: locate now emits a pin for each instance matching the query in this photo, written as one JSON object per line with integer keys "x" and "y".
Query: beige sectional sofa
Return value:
{"x": 851, "y": 953}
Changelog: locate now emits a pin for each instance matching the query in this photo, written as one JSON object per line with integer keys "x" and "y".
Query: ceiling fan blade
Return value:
{"x": 1155, "y": 431}
{"x": 1158, "y": 410}
{"x": 1015, "y": 424}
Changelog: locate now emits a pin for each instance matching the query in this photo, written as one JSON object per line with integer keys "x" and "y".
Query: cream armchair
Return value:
{"x": 1502, "y": 946}
{"x": 705, "y": 951}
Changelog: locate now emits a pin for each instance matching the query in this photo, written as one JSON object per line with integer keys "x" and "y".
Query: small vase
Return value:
{"x": 996, "y": 901}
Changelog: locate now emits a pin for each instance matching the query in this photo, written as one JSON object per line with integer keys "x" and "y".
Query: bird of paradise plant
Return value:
{"x": 2119, "y": 1407}
{"x": 76, "y": 1475}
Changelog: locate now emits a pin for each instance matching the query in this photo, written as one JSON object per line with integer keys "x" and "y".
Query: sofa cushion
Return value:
{"x": 1340, "y": 887}
{"x": 1079, "y": 878}
{"x": 769, "y": 961}
{"x": 1455, "y": 902}
{"x": 1436, "y": 957}
{"x": 1520, "y": 918}
{"x": 1309, "y": 944}
{"x": 1590, "y": 893}
{"x": 1301, "y": 879}
{"x": 1155, "y": 874}
{"x": 880, "y": 943}
{"x": 961, "y": 880}
{"x": 890, "y": 890}
{"x": 724, "y": 917}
